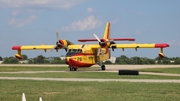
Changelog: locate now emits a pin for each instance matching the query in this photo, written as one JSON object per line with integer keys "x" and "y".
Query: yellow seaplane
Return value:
{"x": 86, "y": 55}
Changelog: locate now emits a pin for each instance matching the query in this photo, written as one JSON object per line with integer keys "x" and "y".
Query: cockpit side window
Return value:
{"x": 75, "y": 50}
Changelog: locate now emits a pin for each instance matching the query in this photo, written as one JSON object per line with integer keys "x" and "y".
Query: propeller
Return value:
{"x": 101, "y": 43}
{"x": 97, "y": 37}
{"x": 58, "y": 43}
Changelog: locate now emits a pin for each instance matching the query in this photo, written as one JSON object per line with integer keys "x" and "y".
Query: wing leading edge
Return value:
{"x": 33, "y": 47}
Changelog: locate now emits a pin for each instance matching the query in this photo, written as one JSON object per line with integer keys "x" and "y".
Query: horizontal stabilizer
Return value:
{"x": 112, "y": 39}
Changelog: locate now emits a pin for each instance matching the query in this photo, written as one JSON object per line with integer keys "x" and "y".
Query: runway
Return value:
{"x": 88, "y": 79}
{"x": 109, "y": 68}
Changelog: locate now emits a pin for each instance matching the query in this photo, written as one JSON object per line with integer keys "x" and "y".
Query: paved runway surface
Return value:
{"x": 110, "y": 68}
{"x": 87, "y": 79}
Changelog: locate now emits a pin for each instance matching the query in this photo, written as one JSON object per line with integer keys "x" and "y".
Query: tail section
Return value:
{"x": 107, "y": 31}
{"x": 107, "y": 36}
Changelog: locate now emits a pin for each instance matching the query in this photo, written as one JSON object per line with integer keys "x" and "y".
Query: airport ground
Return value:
{"x": 124, "y": 88}
{"x": 109, "y": 68}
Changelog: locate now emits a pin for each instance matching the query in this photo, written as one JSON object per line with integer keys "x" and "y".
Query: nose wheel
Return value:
{"x": 72, "y": 68}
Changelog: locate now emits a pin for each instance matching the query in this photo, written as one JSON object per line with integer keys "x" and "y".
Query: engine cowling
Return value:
{"x": 18, "y": 56}
{"x": 161, "y": 55}
{"x": 61, "y": 43}
{"x": 104, "y": 43}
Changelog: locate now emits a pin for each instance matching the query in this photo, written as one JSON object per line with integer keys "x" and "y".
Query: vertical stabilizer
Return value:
{"x": 107, "y": 31}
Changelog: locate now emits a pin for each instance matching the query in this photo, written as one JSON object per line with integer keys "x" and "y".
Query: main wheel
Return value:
{"x": 103, "y": 67}
{"x": 71, "y": 68}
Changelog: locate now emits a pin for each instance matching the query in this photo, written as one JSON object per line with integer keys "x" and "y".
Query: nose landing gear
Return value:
{"x": 72, "y": 68}
{"x": 103, "y": 67}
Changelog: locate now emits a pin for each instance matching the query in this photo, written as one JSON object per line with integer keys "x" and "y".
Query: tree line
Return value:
{"x": 123, "y": 59}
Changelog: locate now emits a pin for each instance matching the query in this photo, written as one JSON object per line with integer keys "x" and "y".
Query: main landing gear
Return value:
{"x": 103, "y": 67}
{"x": 72, "y": 68}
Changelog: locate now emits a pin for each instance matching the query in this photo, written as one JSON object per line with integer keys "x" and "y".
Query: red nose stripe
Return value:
{"x": 78, "y": 64}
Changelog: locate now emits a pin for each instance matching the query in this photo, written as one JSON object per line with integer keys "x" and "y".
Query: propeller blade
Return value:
{"x": 57, "y": 36}
{"x": 52, "y": 48}
{"x": 97, "y": 37}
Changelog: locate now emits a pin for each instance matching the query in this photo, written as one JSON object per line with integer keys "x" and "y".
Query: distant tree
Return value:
{"x": 39, "y": 59}
{"x": 177, "y": 61}
{"x": 24, "y": 57}
{"x": 31, "y": 61}
{"x": 122, "y": 60}
{"x": 107, "y": 62}
{"x": 57, "y": 60}
{"x": 1, "y": 58}
{"x": 136, "y": 60}
{"x": 11, "y": 60}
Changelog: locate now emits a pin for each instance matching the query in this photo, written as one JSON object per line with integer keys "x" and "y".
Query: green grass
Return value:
{"x": 30, "y": 68}
{"x": 81, "y": 74}
{"x": 102, "y": 75}
{"x": 11, "y": 90}
{"x": 40, "y": 68}
{"x": 162, "y": 70}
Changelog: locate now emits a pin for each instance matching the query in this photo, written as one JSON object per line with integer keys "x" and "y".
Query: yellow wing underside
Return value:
{"x": 94, "y": 46}
{"x": 37, "y": 47}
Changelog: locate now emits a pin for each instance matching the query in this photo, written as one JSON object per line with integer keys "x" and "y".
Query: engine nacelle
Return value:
{"x": 61, "y": 44}
{"x": 104, "y": 43}
{"x": 161, "y": 55}
{"x": 18, "y": 56}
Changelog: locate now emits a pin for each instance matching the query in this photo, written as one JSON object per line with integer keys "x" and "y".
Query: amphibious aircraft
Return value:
{"x": 86, "y": 55}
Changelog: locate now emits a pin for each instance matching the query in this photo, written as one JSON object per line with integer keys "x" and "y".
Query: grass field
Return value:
{"x": 162, "y": 70}
{"x": 56, "y": 72}
{"x": 11, "y": 90}
{"x": 102, "y": 75}
{"x": 88, "y": 91}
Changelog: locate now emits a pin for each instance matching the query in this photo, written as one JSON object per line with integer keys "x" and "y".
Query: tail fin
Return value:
{"x": 107, "y": 31}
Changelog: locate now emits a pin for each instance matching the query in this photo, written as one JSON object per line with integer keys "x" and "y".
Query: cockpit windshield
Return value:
{"x": 75, "y": 50}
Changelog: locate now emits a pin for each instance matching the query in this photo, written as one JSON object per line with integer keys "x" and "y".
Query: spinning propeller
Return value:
{"x": 103, "y": 43}
{"x": 59, "y": 43}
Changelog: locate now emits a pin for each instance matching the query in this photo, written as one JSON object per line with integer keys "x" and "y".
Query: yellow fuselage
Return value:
{"x": 85, "y": 56}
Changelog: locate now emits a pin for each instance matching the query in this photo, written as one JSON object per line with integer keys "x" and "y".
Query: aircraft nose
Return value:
{"x": 67, "y": 60}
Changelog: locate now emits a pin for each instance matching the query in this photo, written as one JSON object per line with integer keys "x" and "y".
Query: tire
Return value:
{"x": 128, "y": 72}
{"x": 75, "y": 69}
{"x": 103, "y": 67}
{"x": 71, "y": 68}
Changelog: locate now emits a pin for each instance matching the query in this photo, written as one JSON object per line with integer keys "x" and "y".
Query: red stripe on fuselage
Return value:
{"x": 72, "y": 62}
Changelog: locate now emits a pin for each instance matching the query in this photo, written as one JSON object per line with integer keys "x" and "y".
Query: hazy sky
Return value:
{"x": 34, "y": 22}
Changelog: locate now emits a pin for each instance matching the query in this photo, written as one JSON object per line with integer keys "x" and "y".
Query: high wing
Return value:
{"x": 134, "y": 45}
{"x": 124, "y": 46}
{"x": 34, "y": 47}
{"x": 114, "y": 39}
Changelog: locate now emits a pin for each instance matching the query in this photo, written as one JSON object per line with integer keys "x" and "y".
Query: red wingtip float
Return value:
{"x": 86, "y": 55}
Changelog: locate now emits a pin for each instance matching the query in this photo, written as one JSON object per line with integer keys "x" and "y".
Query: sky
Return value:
{"x": 34, "y": 22}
